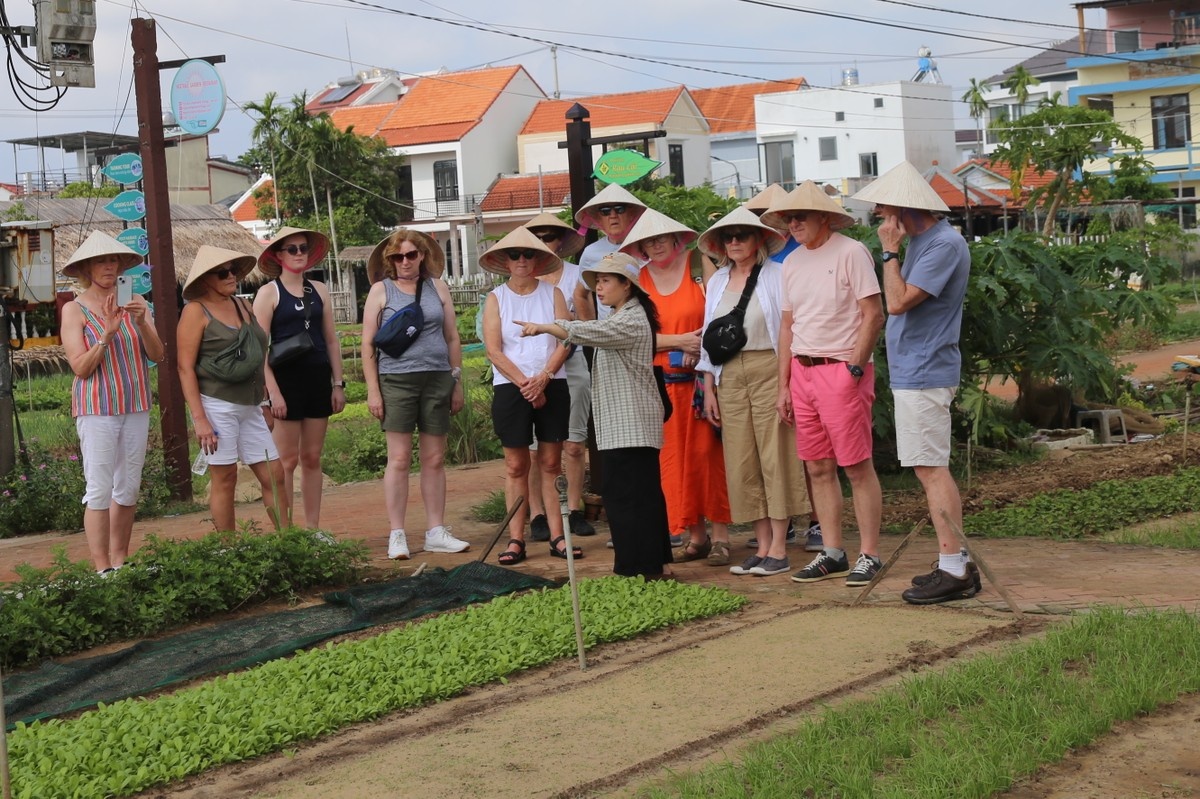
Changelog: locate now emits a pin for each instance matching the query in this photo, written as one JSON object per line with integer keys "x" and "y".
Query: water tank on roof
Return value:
{"x": 850, "y": 76}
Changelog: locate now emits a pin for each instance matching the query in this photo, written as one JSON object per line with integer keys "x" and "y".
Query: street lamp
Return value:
{"x": 737, "y": 174}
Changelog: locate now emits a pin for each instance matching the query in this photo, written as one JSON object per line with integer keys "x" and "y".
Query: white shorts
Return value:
{"x": 114, "y": 451}
{"x": 242, "y": 433}
{"x": 923, "y": 426}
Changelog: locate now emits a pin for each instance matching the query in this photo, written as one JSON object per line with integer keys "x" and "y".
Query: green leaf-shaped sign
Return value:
{"x": 128, "y": 205}
{"x": 141, "y": 278}
{"x": 124, "y": 169}
{"x": 136, "y": 239}
{"x": 623, "y": 167}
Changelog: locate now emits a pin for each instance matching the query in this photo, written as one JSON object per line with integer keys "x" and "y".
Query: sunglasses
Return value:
{"x": 411, "y": 255}
{"x": 798, "y": 216}
{"x": 222, "y": 273}
{"x": 516, "y": 255}
{"x": 295, "y": 249}
{"x": 665, "y": 238}
{"x": 609, "y": 210}
{"x": 549, "y": 236}
{"x": 730, "y": 236}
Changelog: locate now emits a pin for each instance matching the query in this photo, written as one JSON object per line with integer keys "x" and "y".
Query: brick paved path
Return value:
{"x": 1043, "y": 576}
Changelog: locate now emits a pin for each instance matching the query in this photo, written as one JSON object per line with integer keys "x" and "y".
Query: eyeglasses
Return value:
{"x": 609, "y": 210}
{"x": 547, "y": 236}
{"x": 798, "y": 216}
{"x": 664, "y": 238}
{"x": 295, "y": 249}
{"x": 222, "y": 273}
{"x": 411, "y": 255}
{"x": 730, "y": 236}
{"x": 516, "y": 255}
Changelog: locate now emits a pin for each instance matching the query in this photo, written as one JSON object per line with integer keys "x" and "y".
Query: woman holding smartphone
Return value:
{"x": 109, "y": 347}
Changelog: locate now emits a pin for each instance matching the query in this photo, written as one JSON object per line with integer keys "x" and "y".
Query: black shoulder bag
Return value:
{"x": 402, "y": 327}
{"x": 289, "y": 349}
{"x": 726, "y": 335}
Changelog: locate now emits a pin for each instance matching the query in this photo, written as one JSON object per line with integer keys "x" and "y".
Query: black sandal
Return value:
{"x": 562, "y": 553}
{"x": 507, "y": 558}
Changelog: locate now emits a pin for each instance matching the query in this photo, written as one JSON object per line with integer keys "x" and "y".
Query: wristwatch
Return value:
{"x": 856, "y": 371}
{"x": 339, "y": 384}
{"x": 888, "y": 256}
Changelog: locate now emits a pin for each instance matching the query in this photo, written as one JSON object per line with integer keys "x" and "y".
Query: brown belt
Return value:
{"x": 808, "y": 360}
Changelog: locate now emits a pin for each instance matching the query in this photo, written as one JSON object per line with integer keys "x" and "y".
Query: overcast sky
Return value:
{"x": 293, "y": 46}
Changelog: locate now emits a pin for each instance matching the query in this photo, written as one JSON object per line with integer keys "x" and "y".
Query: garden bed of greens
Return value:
{"x": 119, "y": 749}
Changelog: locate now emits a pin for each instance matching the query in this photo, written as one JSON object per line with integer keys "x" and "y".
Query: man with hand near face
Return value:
{"x": 924, "y": 293}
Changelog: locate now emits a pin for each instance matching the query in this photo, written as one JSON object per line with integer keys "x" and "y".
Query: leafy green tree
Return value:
{"x": 316, "y": 164}
{"x": 1019, "y": 83}
{"x": 976, "y": 105}
{"x": 1061, "y": 139}
{"x": 696, "y": 207}
{"x": 84, "y": 189}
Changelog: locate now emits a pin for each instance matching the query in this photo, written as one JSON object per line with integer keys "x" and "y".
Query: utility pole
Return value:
{"x": 8, "y": 452}
{"x": 148, "y": 94}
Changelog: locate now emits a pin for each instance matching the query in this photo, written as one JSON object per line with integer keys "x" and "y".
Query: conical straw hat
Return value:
{"x": 808, "y": 196}
{"x": 615, "y": 263}
{"x": 762, "y": 201}
{"x": 904, "y": 187}
{"x": 209, "y": 258}
{"x": 268, "y": 260}
{"x": 435, "y": 257}
{"x": 572, "y": 241}
{"x": 712, "y": 245}
{"x": 496, "y": 260}
{"x": 97, "y": 245}
{"x": 612, "y": 194}
{"x": 654, "y": 223}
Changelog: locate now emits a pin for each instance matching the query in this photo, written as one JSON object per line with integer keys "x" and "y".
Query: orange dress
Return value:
{"x": 691, "y": 461}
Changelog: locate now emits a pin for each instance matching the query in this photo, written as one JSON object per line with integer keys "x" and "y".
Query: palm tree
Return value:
{"x": 977, "y": 105}
{"x": 1019, "y": 83}
{"x": 267, "y": 131}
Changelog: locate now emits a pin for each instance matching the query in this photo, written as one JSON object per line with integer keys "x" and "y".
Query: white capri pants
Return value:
{"x": 242, "y": 433}
{"x": 114, "y": 451}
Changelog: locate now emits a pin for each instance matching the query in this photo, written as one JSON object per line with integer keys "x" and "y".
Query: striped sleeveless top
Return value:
{"x": 121, "y": 383}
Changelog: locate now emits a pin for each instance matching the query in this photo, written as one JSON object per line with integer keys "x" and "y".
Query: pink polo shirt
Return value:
{"x": 822, "y": 288}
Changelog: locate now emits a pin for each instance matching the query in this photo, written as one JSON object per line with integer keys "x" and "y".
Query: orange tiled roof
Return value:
{"x": 952, "y": 195}
{"x": 437, "y": 108}
{"x": 730, "y": 109}
{"x": 247, "y": 208}
{"x": 1030, "y": 180}
{"x": 519, "y": 192}
{"x": 606, "y": 110}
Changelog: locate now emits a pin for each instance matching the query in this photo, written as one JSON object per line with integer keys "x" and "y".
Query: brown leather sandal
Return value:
{"x": 693, "y": 551}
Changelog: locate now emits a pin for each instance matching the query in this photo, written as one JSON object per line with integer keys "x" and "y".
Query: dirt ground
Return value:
{"x": 681, "y": 698}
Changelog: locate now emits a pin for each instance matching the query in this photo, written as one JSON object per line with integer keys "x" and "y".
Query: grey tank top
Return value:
{"x": 429, "y": 352}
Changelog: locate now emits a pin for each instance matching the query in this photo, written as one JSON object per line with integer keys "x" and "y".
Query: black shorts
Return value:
{"x": 515, "y": 419}
{"x": 307, "y": 389}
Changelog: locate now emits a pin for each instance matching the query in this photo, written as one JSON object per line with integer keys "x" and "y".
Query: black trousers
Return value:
{"x": 636, "y": 510}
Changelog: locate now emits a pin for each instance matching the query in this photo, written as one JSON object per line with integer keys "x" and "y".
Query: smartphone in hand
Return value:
{"x": 675, "y": 359}
{"x": 124, "y": 290}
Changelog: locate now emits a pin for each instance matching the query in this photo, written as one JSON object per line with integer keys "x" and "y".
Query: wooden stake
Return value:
{"x": 500, "y": 530}
{"x": 983, "y": 567}
{"x": 895, "y": 556}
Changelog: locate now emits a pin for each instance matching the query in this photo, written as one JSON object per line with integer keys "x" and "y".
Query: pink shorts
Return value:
{"x": 832, "y": 412}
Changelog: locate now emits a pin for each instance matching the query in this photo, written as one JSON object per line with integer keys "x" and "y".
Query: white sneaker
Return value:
{"x": 439, "y": 540}
{"x": 398, "y": 545}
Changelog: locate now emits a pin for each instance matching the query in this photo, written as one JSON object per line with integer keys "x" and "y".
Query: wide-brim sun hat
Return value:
{"x": 615, "y": 263}
{"x": 572, "y": 241}
{"x": 712, "y": 245}
{"x": 762, "y": 202}
{"x": 655, "y": 223}
{"x": 209, "y": 258}
{"x": 99, "y": 245}
{"x": 268, "y": 260}
{"x": 808, "y": 196}
{"x": 435, "y": 257}
{"x": 496, "y": 260}
{"x": 904, "y": 187}
{"x": 612, "y": 194}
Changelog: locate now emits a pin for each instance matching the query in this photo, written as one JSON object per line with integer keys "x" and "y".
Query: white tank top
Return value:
{"x": 527, "y": 354}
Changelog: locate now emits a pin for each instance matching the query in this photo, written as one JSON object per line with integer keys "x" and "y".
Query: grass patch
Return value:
{"x": 1102, "y": 508}
{"x": 1167, "y": 533}
{"x": 972, "y": 730}
{"x": 493, "y": 509}
{"x": 125, "y": 747}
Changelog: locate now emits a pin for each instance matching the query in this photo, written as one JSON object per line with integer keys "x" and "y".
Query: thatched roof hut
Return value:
{"x": 191, "y": 225}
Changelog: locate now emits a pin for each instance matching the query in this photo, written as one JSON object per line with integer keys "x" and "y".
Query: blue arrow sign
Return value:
{"x": 124, "y": 169}
{"x": 136, "y": 239}
{"x": 141, "y": 278}
{"x": 128, "y": 205}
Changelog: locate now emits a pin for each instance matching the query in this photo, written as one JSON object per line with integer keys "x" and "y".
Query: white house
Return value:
{"x": 848, "y": 135}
